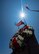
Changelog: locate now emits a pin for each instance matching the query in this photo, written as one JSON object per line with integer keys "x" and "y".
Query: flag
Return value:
{"x": 15, "y": 44}
{"x": 20, "y": 23}
{"x": 25, "y": 27}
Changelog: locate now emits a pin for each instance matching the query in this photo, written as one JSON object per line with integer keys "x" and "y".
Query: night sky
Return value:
{"x": 9, "y": 15}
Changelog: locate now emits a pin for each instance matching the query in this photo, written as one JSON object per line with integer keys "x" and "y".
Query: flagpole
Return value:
{"x": 25, "y": 22}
